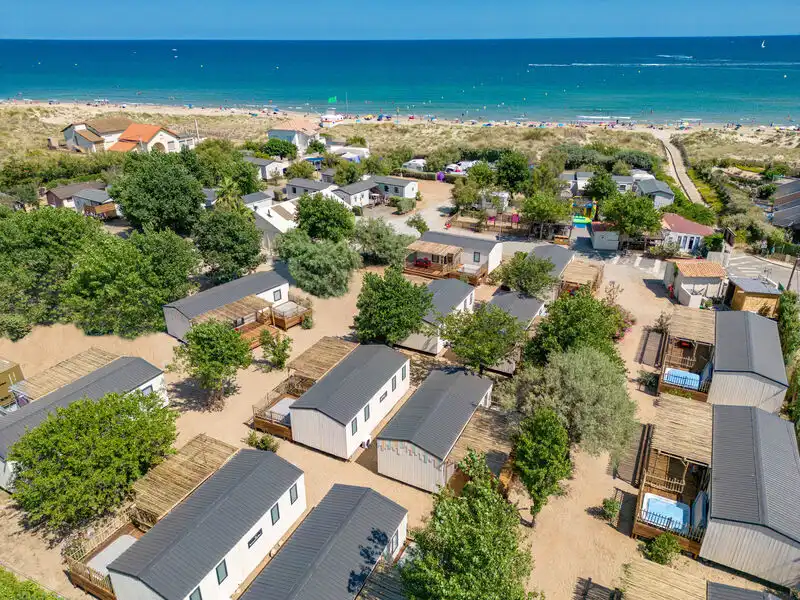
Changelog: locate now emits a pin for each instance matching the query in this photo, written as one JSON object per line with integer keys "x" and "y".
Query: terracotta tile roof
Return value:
{"x": 699, "y": 268}
{"x": 679, "y": 224}
{"x": 123, "y": 146}
{"x": 89, "y": 135}
{"x": 109, "y": 124}
{"x": 140, "y": 132}
{"x": 601, "y": 226}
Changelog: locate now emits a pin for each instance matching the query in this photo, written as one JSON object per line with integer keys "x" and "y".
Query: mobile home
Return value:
{"x": 449, "y": 296}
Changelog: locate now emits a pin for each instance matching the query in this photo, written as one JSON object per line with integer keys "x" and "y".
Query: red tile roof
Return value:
{"x": 679, "y": 224}
{"x": 123, "y": 146}
{"x": 699, "y": 268}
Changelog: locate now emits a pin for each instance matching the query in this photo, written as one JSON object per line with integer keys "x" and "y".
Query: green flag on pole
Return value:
{"x": 332, "y": 100}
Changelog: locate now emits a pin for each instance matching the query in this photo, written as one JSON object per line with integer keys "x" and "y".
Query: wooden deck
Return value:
{"x": 580, "y": 273}
{"x": 432, "y": 272}
{"x": 646, "y": 580}
{"x": 489, "y": 432}
{"x": 169, "y": 482}
{"x": 251, "y": 333}
{"x": 322, "y": 357}
{"x": 64, "y": 373}
{"x": 693, "y": 324}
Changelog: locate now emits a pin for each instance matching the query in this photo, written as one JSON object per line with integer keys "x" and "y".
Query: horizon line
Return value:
{"x": 476, "y": 39}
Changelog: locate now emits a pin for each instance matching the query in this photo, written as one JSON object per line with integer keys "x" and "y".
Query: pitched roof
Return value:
{"x": 109, "y": 124}
{"x": 627, "y": 179}
{"x": 447, "y": 294}
{"x": 749, "y": 343}
{"x": 142, "y": 132}
{"x": 89, "y": 135}
{"x": 699, "y": 268}
{"x": 333, "y": 551}
{"x": 786, "y": 217}
{"x": 346, "y": 388}
{"x": 559, "y": 255}
{"x": 399, "y": 181}
{"x": 185, "y": 546}
{"x": 63, "y": 192}
{"x": 462, "y": 241}
{"x": 680, "y": 224}
{"x": 358, "y": 186}
{"x": 261, "y": 162}
{"x": 99, "y": 196}
{"x": 311, "y": 184}
{"x": 435, "y": 415}
{"x": 651, "y": 186}
{"x": 220, "y": 295}
{"x": 119, "y": 376}
{"x": 123, "y": 146}
{"x": 522, "y": 307}
{"x": 755, "y": 470}
{"x": 720, "y": 591}
{"x": 258, "y": 197}
{"x": 785, "y": 190}
{"x": 755, "y": 285}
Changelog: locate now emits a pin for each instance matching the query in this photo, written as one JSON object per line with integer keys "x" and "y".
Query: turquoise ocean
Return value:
{"x": 743, "y": 80}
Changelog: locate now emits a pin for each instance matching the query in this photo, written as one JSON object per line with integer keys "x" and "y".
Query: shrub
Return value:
{"x": 403, "y": 205}
{"x": 611, "y": 508}
{"x": 307, "y": 322}
{"x": 266, "y": 442}
{"x": 14, "y": 327}
{"x": 358, "y": 211}
{"x": 663, "y": 549}
{"x": 275, "y": 348}
{"x": 418, "y": 222}
{"x": 12, "y": 588}
{"x": 667, "y": 250}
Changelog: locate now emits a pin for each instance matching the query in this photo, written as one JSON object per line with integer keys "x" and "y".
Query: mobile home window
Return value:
{"x": 476, "y": 257}
{"x": 276, "y": 295}
{"x": 254, "y": 539}
{"x": 196, "y": 595}
{"x": 293, "y": 494}
{"x": 275, "y": 514}
{"x": 148, "y": 390}
{"x": 222, "y": 572}
{"x": 396, "y": 190}
{"x": 366, "y": 413}
{"x": 383, "y": 396}
{"x": 294, "y": 190}
{"x": 394, "y": 382}
{"x": 403, "y": 373}
{"x": 354, "y": 426}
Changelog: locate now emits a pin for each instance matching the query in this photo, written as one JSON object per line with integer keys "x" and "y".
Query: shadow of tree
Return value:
{"x": 370, "y": 554}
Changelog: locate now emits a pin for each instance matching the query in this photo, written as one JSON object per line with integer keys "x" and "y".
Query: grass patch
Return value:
{"x": 750, "y": 169}
{"x": 706, "y": 191}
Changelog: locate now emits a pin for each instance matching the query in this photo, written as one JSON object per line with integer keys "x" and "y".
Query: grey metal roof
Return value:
{"x": 786, "y": 217}
{"x": 261, "y": 162}
{"x": 99, "y": 196}
{"x": 720, "y": 591}
{"x": 522, "y": 307}
{"x": 358, "y": 186}
{"x": 220, "y": 295}
{"x": 333, "y": 551}
{"x": 584, "y": 174}
{"x": 787, "y": 189}
{"x": 119, "y": 376}
{"x": 63, "y": 192}
{"x": 560, "y": 256}
{"x": 749, "y": 343}
{"x": 311, "y": 184}
{"x": 435, "y": 415}
{"x": 329, "y": 171}
{"x": 463, "y": 241}
{"x": 755, "y": 285}
{"x": 387, "y": 180}
{"x": 755, "y": 469}
{"x": 257, "y": 197}
{"x": 567, "y": 176}
{"x": 651, "y": 186}
{"x": 346, "y": 388}
{"x": 447, "y": 294}
{"x": 628, "y": 179}
{"x": 173, "y": 557}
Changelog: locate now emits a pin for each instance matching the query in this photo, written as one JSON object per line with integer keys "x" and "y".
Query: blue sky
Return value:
{"x": 384, "y": 19}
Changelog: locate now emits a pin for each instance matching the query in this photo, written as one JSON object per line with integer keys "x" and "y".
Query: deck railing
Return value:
{"x": 666, "y": 484}
{"x": 687, "y": 383}
{"x": 667, "y": 524}
{"x": 295, "y": 385}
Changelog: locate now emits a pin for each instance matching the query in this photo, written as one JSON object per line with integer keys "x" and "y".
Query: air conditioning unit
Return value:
{"x": 366, "y": 443}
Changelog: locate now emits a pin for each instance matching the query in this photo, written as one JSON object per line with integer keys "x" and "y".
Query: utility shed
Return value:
{"x": 332, "y": 553}
{"x": 341, "y": 410}
{"x": 748, "y": 362}
{"x": 211, "y": 542}
{"x": 415, "y": 445}
{"x": 753, "y": 522}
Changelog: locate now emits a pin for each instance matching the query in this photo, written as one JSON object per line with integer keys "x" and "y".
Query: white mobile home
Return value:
{"x": 267, "y": 286}
{"x": 341, "y": 410}
{"x": 358, "y": 193}
{"x": 560, "y": 257}
{"x": 121, "y": 375}
{"x": 207, "y": 546}
{"x": 301, "y": 139}
{"x": 397, "y": 186}
{"x": 477, "y": 252}
{"x": 415, "y": 445}
{"x": 659, "y": 191}
{"x": 748, "y": 363}
{"x": 268, "y": 168}
{"x": 335, "y": 549}
{"x": 449, "y": 296}
{"x": 692, "y": 281}
{"x": 525, "y": 309}
{"x": 298, "y": 186}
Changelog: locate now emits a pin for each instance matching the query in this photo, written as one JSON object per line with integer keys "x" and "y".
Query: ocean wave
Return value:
{"x": 678, "y": 56}
{"x": 693, "y": 65}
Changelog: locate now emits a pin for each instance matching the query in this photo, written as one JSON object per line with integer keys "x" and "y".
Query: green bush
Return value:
{"x": 14, "y": 327}
{"x": 266, "y": 442}
{"x": 358, "y": 211}
{"x": 307, "y": 322}
{"x": 12, "y": 588}
{"x": 611, "y": 508}
{"x": 403, "y": 205}
{"x": 663, "y": 549}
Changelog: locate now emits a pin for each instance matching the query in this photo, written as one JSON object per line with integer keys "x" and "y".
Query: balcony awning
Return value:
{"x": 434, "y": 248}
{"x": 682, "y": 428}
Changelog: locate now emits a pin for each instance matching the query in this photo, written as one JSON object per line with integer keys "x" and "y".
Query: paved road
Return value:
{"x": 676, "y": 166}
{"x": 746, "y": 265}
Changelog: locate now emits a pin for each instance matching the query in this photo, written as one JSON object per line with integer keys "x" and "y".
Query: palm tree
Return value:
{"x": 230, "y": 198}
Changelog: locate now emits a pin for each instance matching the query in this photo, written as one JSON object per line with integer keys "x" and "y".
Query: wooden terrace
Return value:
{"x": 688, "y": 346}
{"x": 580, "y": 273}
{"x": 249, "y": 316}
{"x": 432, "y": 260}
{"x": 646, "y": 580}
{"x": 488, "y": 432}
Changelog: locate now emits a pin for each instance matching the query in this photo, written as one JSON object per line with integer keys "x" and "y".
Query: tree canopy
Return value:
{"x": 390, "y": 308}
{"x": 470, "y": 548}
{"x": 156, "y": 190}
{"x": 482, "y": 338}
{"x": 346, "y": 173}
{"x": 324, "y": 218}
{"x": 280, "y": 148}
{"x": 512, "y": 171}
{"x": 82, "y": 460}
{"x": 632, "y": 214}
{"x": 322, "y": 268}
{"x": 527, "y": 274}
{"x": 302, "y": 169}
{"x": 601, "y": 187}
{"x": 481, "y": 174}
{"x": 545, "y": 207}
{"x": 379, "y": 243}
{"x": 229, "y": 243}
{"x": 217, "y": 160}
{"x": 789, "y": 325}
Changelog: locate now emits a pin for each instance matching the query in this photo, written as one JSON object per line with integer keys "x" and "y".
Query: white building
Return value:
{"x": 141, "y": 137}
{"x": 625, "y": 183}
{"x": 397, "y": 186}
{"x": 119, "y": 375}
{"x": 477, "y": 252}
{"x": 333, "y": 552}
{"x": 415, "y": 445}
{"x": 96, "y": 135}
{"x": 490, "y": 200}
{"x": 358, "y": 193}
{"x": 209, "y": 544}
{"x": 267, "y": 286}
{"x": 692, "y": 281}
{"x": 272, "y": 219}
{"x": 661, "y": 194}
{"x": 268, "y": 168}
{"x": 301, "y": 139}
{"x": 449, "y": 296}
{"x": 299, "y": 186}
{"x": 686, "y": 234}
{"x": 603, "y": 237}
{"x": 341, "y": 410}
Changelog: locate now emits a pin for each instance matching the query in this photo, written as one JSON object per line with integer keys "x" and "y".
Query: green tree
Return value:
{"x": 714, "y": 242}
{"x": 302, "y": 169}
{"x": 346, "y": 173}
{"x": 464, "y": 194}
{"x": 82, "y": 460}
{"x": 481, "y": 175}
{"x": 314, "y": 147}
{"x": 574, "y": 321}
{"x": 356, "y": 140}
{"x": 218, "y": 159}
{"x": 397, "y": 156}
{"x": 632, "y": 215}
{"x": 601, "y": 187}
{"x": 324, "y": 218}
{"x": 12, "y": 588}
{"x": 440, "y": 158}
{"x": 470, "y": 548}
{"x": 320, "y": 267}
{"x": 275, "y": 349}
{"x": 25, "y": 193}
{"x": 482, "y": 338}
{"x": 528, "y": 274}
{"x": 789, "y": 325}
{"x": 512, "y": 171}
{"x": 390, "y": 308}
{"x": 663, "y": 549}
{"x": 228, "y": 194}
{"x": 156, "y": 190}
{"x": 379, "y": 243}
{"x": 377, "y": 165}
{"x": 229, "y": 243}
{"x": 545, "y": 208}
{"x": 541, "y": 456}
{"x": 545, "y": 176}
{"x": 213, "y": 353}
{"x": 620, "y": 167}
{"x": 417, "y": 221}
{"x": 588, "y": 392}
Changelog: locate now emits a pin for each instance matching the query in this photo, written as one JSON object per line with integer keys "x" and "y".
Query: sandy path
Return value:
{"x": 676, "y": 166}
